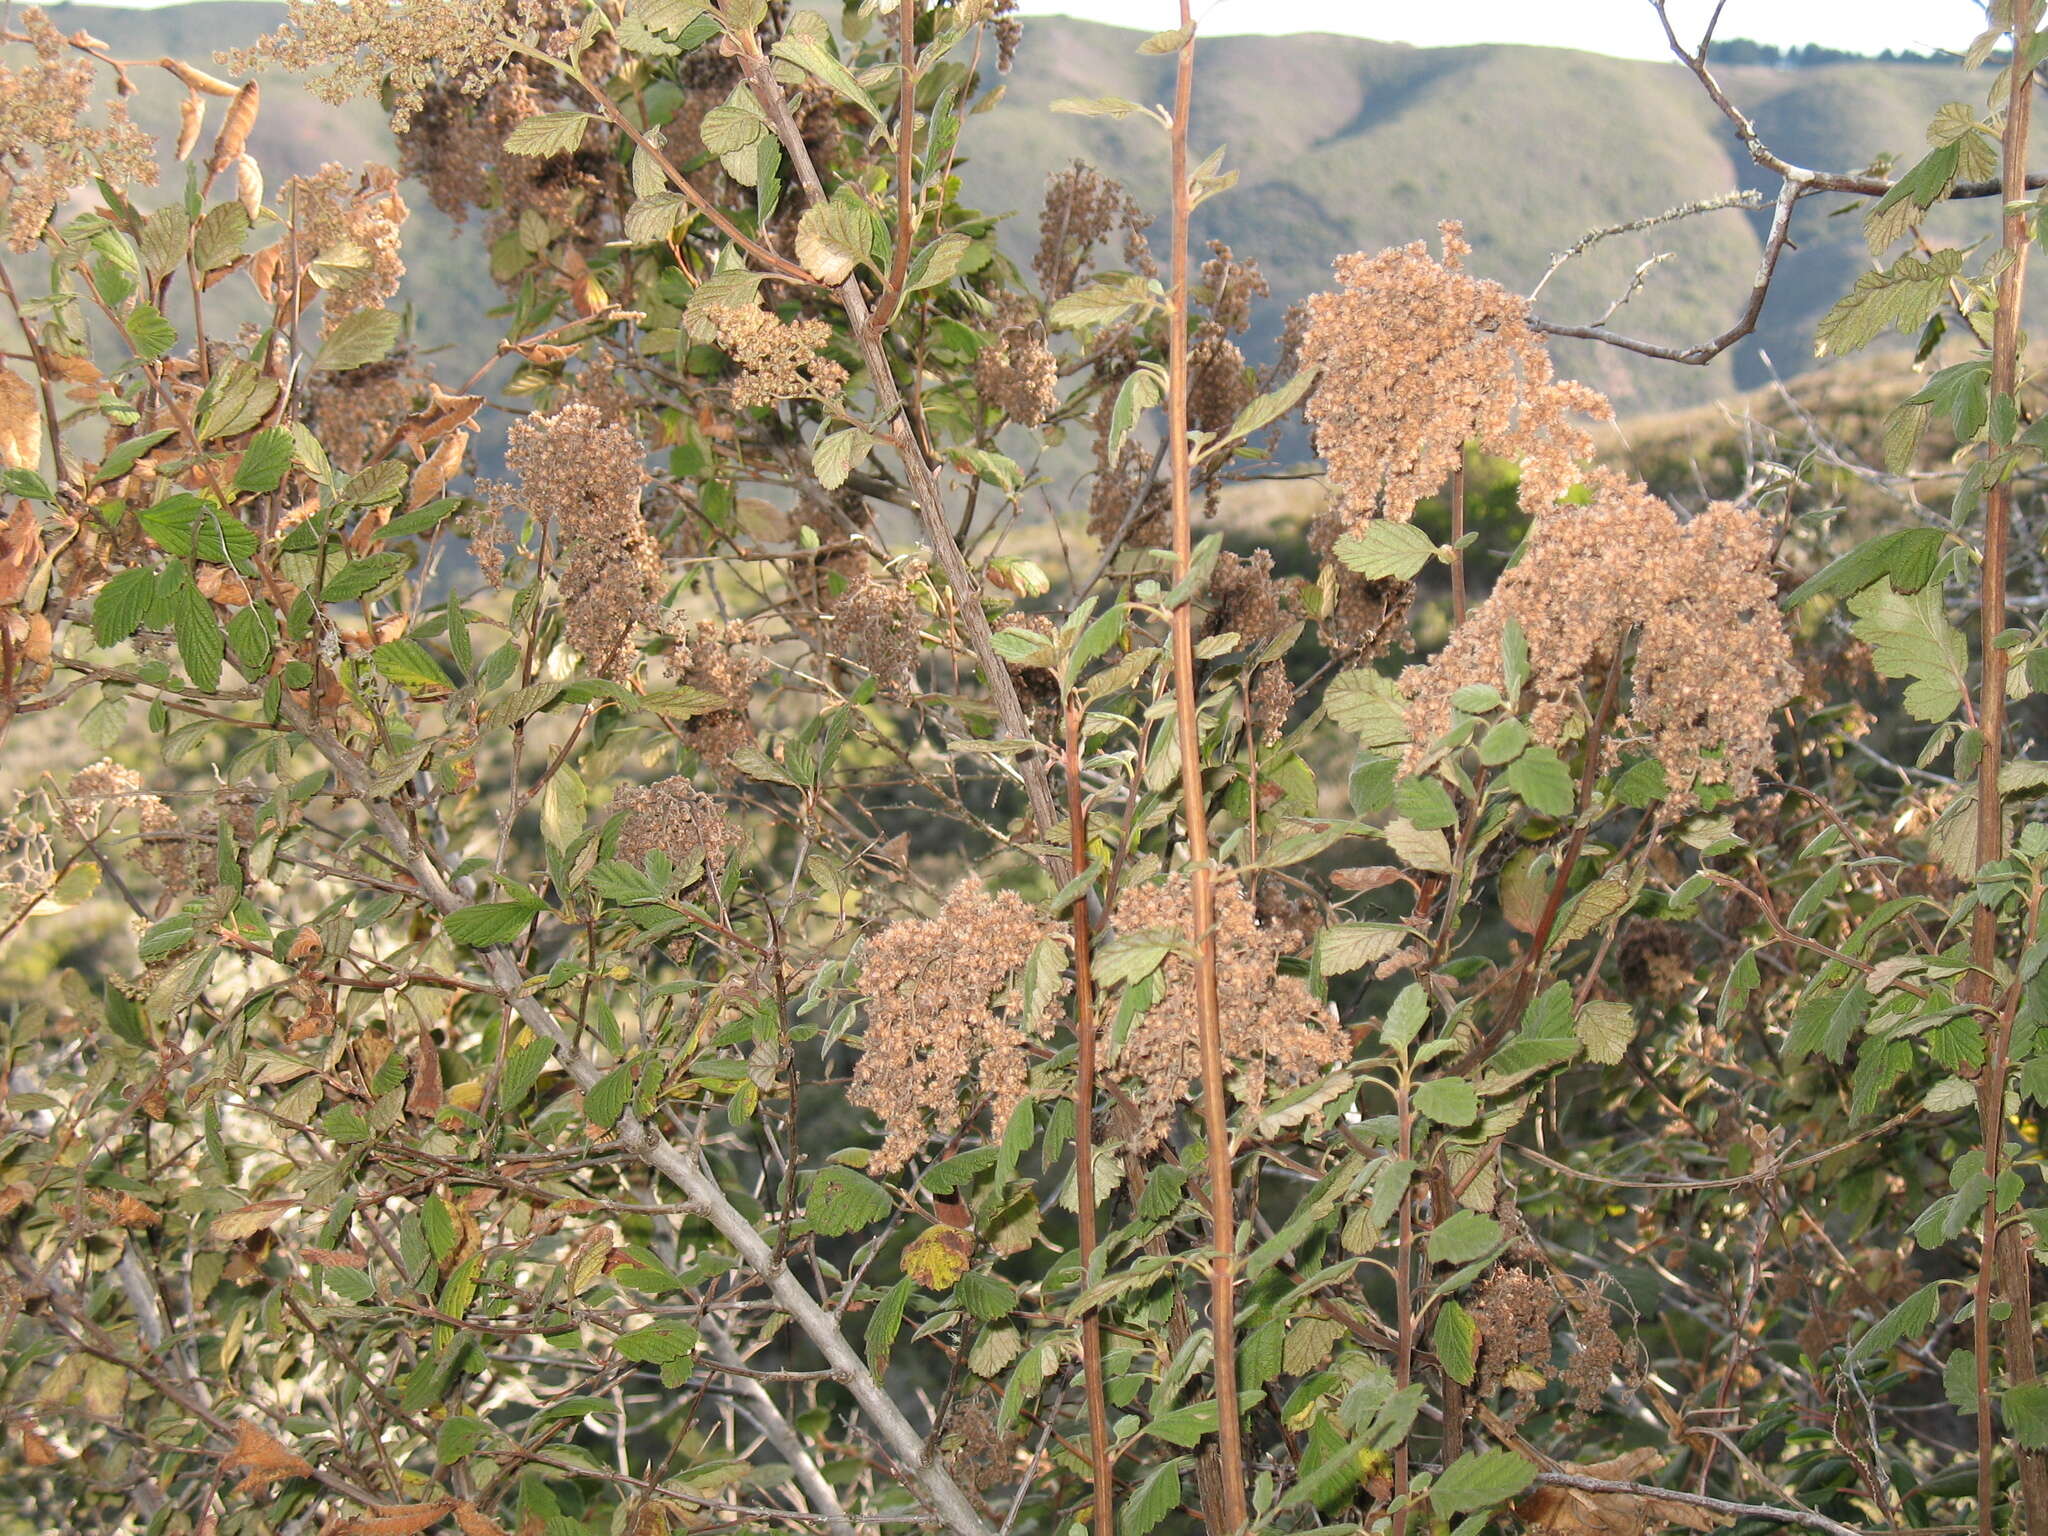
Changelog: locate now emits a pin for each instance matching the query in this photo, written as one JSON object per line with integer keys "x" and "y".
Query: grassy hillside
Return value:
{"x": 1343, "y": 144}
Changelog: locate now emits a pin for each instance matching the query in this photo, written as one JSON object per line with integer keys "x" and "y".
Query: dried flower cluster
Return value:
{"x": 675, "y": 817}
{"x": 1273, "y": 1029}
{"x": 454, "y": 145}
{"x": 343, "y": 227}
{"x": 877, "y": 624}
{"x": 1082, "y": 209}
{"x": 1015, "y": 375}
{"x": 1246, "y": 599}
{"x": 778, "y": 359}
{"x": 1419, "y": 357}
{"x": 724, "y": 659}
{"x": 1713, "y": 662}
{"x": 98, "y": 794}
{"x": 355, "y": 410}
{"x": 581, "y": 475}
{"x": 348, "y": 51}
{"x": 46, "y": 147}
{"x": 945, "y": 1012}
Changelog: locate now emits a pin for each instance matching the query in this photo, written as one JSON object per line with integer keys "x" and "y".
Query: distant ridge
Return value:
{"x": 1342, "y": 144}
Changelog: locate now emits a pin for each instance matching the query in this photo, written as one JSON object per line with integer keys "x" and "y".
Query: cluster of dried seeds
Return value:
{"x": 1713, "y": 662}
{"x": 1274, "y": 1032}
{"x": 1418, "y": 358}
{"x": 946, "y": 1013}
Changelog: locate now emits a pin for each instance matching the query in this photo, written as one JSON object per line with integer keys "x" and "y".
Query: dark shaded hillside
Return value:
{"x": 1343, "y": 144}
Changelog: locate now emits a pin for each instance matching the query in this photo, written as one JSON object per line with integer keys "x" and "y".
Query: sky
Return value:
{"x": 1625, "y": 27}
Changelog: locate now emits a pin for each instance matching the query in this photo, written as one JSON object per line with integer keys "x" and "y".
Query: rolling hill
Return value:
{"x": 1342, "y": 144}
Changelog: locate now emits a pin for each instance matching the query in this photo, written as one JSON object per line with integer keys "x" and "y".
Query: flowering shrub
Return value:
{"x": 768, "y": 968}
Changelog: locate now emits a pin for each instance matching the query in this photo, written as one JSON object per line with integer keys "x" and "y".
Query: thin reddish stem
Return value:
{"x": 1194, "y": 812}
{"x": 1100, "y": 1459}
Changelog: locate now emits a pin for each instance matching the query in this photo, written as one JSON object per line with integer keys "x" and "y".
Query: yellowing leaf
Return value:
{"x": 937, "y": 1257}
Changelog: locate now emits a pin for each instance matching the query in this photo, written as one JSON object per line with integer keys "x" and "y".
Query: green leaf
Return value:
{"x": 201, "y": 646}
{"x": 264, "y": 461}
{"x": 1899, "y": 298}
{"x": 605, "y": 1100}
{"x": 1544, "y": 784}
{"x": 937, "y": 263}
{"x": 835, "y": 455}
{"x": 548, "y": 133}
{"x": 193, "y": 528}
{"x": 2026, "y": 1413}
{"x": 1478, "y": 1481}
{"x": 151, "y": 333}
{"x": 1456, "y": 1341}
{"x": 1605, "y": 1030}
{"x": 1139, "y": 393}
{"x": 1186, "y": 1425}
{"x": 460, "y": 1434}
{"x": 1894, "y": 214}
{"x": 1909, "y": 1319}
{"x": 361, "y": 577}
{"x": 1271, "y": 406}
{"x": 1911, "y": 637}
{"x": 249, "y": 640}
{"x": 239, "y": 397}
{"x": 490, "y": 922}
{"x": 1347, "y": 946}
{"x": 984, "y": 1296}
{"x": 1385, "y": 549}
{"x": 123, "y": 456}
{"x": 1152, "y": 1500}
{"x": 1462, "y": 1237}
{"x": 408, "y": 664}
{"x": 663, "y": 1343}
{"x": 121, "y": 605}
{"x": 842, "y": 1200}
{"x": 1095, "y": 106}
{"x": 814, "y": 59}
{"x": 1448, "y": 1101}
{"x": 363, "y": 336}
{"x": 1906, "y": 555}
{"x": 884, "y": 1323}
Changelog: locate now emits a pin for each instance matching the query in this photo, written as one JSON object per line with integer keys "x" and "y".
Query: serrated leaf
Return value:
{"x": 1906, "y": 555}
{"x": 364, "y": 336}
{"x": 1899, "y": 298}
{"x": 842, "y": 1200}
{"x": 1347, "y": 946}
{"x": 1386, "y": 550}
{"x": 1605, "y": 1030}
{"x": 1481, "y": 1480}
{"x": 814, "y": 59}
{"x": 835, "y": 455}
{"x": 605, "y": 1100}
{"x": 653, "y": 217}
{"x": 1152, "y": 1500}
{"x": 548, "y": 133}
{"x": 1462, "y": 1237}
{"x": 938, "y": 263}
{"x": 152, "y": 335}
{"x": 1456, "y": 1342}
{"x": 1448, "y": 1101}
{"x": 265, "y": 461}
{"x": 120, "y": 606}
{"x": 832, "y": 239}
{"x": 1911, "y": 637}
{"x": 1544, "y": 784}
{"x": 408, "y": 664}
{"x": 490, "y": 922}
